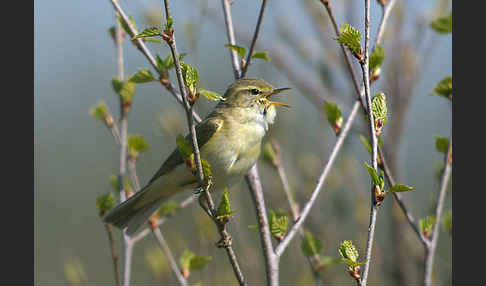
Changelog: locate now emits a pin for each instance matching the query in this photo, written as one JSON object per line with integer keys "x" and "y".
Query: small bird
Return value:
{"x": 229, "y": 139}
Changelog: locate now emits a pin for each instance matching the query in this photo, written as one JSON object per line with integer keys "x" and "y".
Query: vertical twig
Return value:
{"x": 170, "y": 39}
{"x": 127, "y": 253}
{"x": 430, "y": 250}
{"x": 168, "y": 253}
{"x": 231, "y": 37}
{"x": 255, "y": 37}
{"x": 374, "y": 142}
{"x": 271, "y": 259}
{"x": 113, "y": 254}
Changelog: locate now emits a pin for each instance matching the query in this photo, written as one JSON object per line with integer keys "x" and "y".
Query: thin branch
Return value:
{"x": 365, "y": 65}
{"x": 306, "y": 210}
{"x": 231, "y": 37}
{"x": 294, "y": 206}
{"x": 128, "y": 251}
{"x": 255, "y": 37}
{"x": 271, "y": 259}
{"x": 384, "y": 18}
{"x": 142, "y": 234}
{"x": 168, "y": 253}
{"x": 113, "y": 254}
{"x": 347, "y": 57}
{"x": 146, "y": 52}
{"x": 399, "y": 199}
{"x": 127, "y": 246}
{"x": 430, "y": 250}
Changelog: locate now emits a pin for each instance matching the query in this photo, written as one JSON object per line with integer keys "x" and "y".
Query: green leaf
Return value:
{"x": 426, "y": 225}
{"x": 125, "y": 26}
{"x": 160, "y": 64}
{"x": 240, "y": 50}
{"x": 191, "y": 261}
{"x": 153, "y": 40}
{"x": 444, "y": 88}
{"x": 224, "y": 209}
{"x": 191, "y": 77}
{"x": 185, "y": 259}
{"x": 125, "y": 89}
{"x": 350, "y": 37}
{"x": 206, "y": 168}
{"x": 373, "y": 175}
{"x": 148, "y": 32}
{"x": 310, "y": 245}
{"x": 198, "y": 262}
{"x": 168, "y": 208}
{"x": 112, "y": 32}
{"x": 442, "y": 25}
{"x": 400, "y": 188}
{"x": 378, "y": 105}
{"x": 441, "y": 144}
{"x": 278, "y": 224}
{"x": 169, "y": 61}
{"x": 211, "y": 95}
{"x": 261, "y": 55}
{"x": 349, "y": 254}
{"x": 376, "y": 58}
{"x": 99, "y": 111}
{"x": 366, "y": 143}
{"x": 333, "y": 112}
{"x": 143, "y": 76}
{"x": 256, "y": 227}
{"x": 184, "y": 147}
{"x": 104, "y": 203}
{"x": 115, "y": 183}
{"x": 168, "y": 25}
{"x": 137, "y": 144}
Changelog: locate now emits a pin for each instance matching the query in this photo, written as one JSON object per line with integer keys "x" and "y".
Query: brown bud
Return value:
{"x": 185, "y": 272}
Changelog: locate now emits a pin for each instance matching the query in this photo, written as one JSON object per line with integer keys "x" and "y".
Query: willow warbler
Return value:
{"x": 229, "y": 139}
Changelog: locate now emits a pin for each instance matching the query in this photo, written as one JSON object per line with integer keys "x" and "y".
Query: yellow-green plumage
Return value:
{"x": 229, "y": 139}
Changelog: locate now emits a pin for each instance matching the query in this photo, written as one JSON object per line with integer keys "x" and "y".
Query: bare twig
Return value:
{"x": 162, "y": 220}
{"x": 231, "y": 37}
{"x": 113, "y": 254}
{"x": 430, "y": 250}
{"x": 128, "y": 251}
{"x": 399, "y": 199}
{"x": 365, "y": 65}
{"x": 127, "y": 246}
{"x": 271, "y": 259}
{"x": 306, "y": 210}
{"x": 255, "y": 37}
{"x": 168, "y": 253}
{"x": 294, "y": 206}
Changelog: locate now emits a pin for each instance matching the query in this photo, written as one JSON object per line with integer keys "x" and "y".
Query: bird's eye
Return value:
{"x": 254, "y": 91}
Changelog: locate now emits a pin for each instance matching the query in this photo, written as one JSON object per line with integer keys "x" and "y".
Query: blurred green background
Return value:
{"x": 75, "y": 60}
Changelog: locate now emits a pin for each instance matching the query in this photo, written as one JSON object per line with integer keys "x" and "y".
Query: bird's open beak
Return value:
{"x": 275, "y": 91}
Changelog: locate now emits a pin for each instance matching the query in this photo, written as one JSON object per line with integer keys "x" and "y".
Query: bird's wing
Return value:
{"x": 204, "y": 130}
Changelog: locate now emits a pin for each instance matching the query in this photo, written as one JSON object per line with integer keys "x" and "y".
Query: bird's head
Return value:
{"x": 253, "y": 95}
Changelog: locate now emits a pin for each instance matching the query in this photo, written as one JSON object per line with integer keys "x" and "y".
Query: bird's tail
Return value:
{"x": 133, "y": 212}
